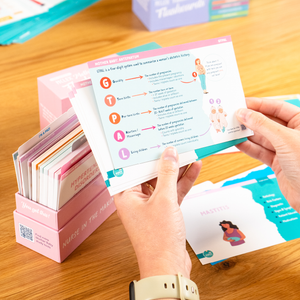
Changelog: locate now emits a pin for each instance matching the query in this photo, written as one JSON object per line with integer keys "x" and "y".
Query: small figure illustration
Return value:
{"x": 201, "y": 73}
{"x": 232, "y": 233}
{"x": 221, "y": 116}
{"x": 214, "y": 119}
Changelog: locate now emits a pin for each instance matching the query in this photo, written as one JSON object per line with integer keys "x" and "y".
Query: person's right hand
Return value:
{"x": 276, "y": 141}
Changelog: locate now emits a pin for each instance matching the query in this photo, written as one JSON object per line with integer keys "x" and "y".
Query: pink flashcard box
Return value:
{"x": 53, "y": 92}
{"x": 56, "y": 234}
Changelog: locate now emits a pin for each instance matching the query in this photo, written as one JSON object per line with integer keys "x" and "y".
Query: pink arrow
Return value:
{"x": 146, "y": 112}
{"x": 158, "y": 146}
{"x": 143, "y": 94}
{"x": 189, "y": 81}
{"x": 139, "y": 77}
{"x": 152, "y": 127}
{"x": 206, "y": 130}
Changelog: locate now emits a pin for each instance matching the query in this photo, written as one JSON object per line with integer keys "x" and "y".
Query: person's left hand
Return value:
{"x": 154, "y": 221}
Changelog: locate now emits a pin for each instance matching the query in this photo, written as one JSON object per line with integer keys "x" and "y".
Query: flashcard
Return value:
{"x": 183, "y": 96}
{"x": 27, "y": 159}
{"x": 65, "y": 164}
{"x": 239, "y": 218}
{"x": 47, "y": 155}
{"x": 37, "y": 143}
{"x": 51, "y": 162}
{"x": 74, "y": 179}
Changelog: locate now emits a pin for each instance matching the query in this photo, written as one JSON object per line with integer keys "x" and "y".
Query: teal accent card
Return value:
{"x": 239, "y": 219}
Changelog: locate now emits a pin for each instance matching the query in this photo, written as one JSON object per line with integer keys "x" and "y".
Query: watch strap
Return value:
{"x": 164, "y": 286}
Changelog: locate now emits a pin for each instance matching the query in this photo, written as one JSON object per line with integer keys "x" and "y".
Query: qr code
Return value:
{"x": 26, "y": 232}
{"x": 243, "y": 127}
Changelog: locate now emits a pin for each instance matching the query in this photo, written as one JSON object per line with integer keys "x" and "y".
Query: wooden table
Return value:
{"x": 267, "y": 47}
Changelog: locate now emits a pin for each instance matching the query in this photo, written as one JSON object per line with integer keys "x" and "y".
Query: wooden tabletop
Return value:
{"x": 267, "y": 47}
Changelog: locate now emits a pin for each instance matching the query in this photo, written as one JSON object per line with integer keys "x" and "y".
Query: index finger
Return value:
{"x": 275, "y": 108}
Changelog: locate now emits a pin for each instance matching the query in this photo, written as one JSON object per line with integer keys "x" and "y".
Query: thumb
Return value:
{"x": 168, "y": 173}
{"x": 261, "y": 124}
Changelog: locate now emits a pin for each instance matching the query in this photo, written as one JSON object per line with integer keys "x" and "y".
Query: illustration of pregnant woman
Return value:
{"x": 201, "y": 74}
{"x": 232, "y": 233}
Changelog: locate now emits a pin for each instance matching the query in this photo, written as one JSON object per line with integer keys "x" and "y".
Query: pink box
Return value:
{"x": 57, "y": 219}
{"x": 56, "y": 234}
{"x": 53, "y": 91}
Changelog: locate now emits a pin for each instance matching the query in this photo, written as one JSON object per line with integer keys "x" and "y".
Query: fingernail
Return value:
{"x": 170, "y": 154}
{"x": 242, "y": 114}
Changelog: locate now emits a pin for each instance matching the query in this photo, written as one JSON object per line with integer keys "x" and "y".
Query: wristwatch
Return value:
{"x": 164, "y": 286}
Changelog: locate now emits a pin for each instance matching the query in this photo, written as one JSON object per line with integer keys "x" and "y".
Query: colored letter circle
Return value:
{"x": 105, "y": 82}
{"x": 194, "y": 74}
{"x": 110, "y": 100}
{"x": 114, "y": 118}
{"x": 119, "y": 136}
{"x": 124, "y": 153}
{"x": 211, "y": 101}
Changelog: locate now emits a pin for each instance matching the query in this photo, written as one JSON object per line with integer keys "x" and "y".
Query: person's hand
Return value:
{"x": 154, "y": 221}
{"x": 276, "y": 141}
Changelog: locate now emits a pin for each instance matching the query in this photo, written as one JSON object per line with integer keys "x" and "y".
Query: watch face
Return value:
{"x": 131, "y": 291}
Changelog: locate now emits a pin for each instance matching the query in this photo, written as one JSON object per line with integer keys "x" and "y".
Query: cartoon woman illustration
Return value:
{"x": 213, "y": 118}
{"x": 221, "y": 115}
{"x": 201, "y": 73}
{"x": 232, "y": 233}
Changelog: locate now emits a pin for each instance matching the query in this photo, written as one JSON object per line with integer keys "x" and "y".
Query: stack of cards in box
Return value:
{"x": 62, "y": 196}
{"x": 56, "y": 163}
